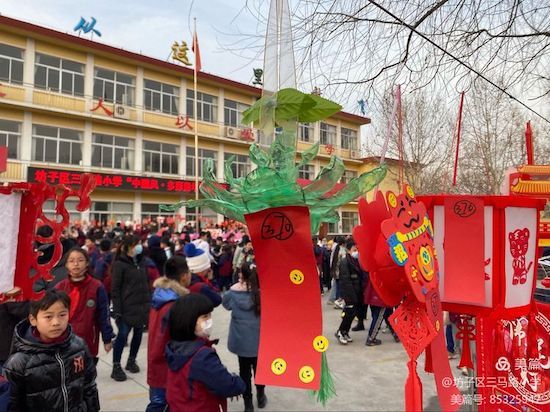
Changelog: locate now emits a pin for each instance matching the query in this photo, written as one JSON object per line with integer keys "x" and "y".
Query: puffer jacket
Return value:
{"x": 166, "y": 292}
{"x": 197, "y": 380}
{"x": 130, "y": 290}
{"x": 244, "y": 329}
{"x": 56, "y": 377}
{"x": 350, "y": 280}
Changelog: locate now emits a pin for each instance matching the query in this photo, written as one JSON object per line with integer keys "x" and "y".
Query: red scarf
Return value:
{"x": 60, "y": 339}
{"x": 74, "y": 294}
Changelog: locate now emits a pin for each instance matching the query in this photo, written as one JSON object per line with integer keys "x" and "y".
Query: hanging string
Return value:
{"x": 459, "y": 129}
{"x": 400, "y": 147}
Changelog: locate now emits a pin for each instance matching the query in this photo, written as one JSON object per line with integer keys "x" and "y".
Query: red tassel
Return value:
{"x": 428, "y": 364}
{"x": 466, "y": 334}
{"x": 413, "y": 389}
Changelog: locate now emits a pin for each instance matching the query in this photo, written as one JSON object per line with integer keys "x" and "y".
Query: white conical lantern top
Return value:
{"x": 279, "y": 69}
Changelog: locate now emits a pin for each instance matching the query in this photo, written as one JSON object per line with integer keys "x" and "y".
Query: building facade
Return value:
{"x": 69, "y": 105}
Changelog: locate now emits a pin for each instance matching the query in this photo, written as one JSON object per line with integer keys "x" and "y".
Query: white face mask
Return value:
{"x": 206, "y": 327}
{"x": 355, "y": 255}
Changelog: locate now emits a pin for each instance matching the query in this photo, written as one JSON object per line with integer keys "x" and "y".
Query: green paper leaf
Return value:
{"x": 309, "y": 154}
{"x": 258, "y": 156}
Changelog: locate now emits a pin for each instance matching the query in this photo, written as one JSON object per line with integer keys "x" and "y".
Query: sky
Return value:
{"x": 150, "y": 27}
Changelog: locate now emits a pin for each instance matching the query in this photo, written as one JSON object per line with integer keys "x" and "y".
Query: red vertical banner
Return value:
{"x": 291, "y": 319}
{"x": 3, "y": 158}
{"x": 464, "y": 251}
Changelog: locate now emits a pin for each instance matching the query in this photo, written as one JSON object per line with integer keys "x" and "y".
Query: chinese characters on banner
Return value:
{"x": 183, "y": 121}
{"x": 112, "y": 181}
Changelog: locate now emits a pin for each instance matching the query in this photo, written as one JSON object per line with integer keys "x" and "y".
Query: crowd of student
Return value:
{"x": 170, "y": 285}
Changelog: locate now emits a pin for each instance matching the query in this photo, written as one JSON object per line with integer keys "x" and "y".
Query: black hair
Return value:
{"x": 250, "y": 276}
{"x": 77, "y": 249}
{"x": 105, "y": 245}
{"x": 350, "y": 244}
{"x": 125, "y": 244}
{"x": 176, "y": 267}
{"x": 48, "y": 300}
{"x": 184, "y": 313}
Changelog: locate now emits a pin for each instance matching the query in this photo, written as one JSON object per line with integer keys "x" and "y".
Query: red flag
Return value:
{"x": 195, "y": 48}
{"x": 529, "y": 143}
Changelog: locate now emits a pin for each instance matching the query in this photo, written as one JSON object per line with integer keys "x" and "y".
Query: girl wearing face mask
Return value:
{"x": 131, "y": 301}
{"x": 89, "y": 310}
{"x": 197, "y": 380}
{"x": 350, "y": 290}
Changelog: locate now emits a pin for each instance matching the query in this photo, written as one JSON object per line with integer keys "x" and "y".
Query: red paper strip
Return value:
{"x": 291, "y": 316}
{"x": 464, "y": 248}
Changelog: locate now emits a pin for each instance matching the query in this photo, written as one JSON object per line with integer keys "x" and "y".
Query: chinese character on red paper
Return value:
{"x": 247, "y": 134}
{"x": 117, "y": 181}
{"x": 329, "y": 149}
{"x": 64, "y": 178}
{"x": 154, "y": 184}
{"x": 107, "y": 111}
{"x": 40, "y": 175}
{"x": 189, "y": 187}
{"x": 107, "y": 181}
{"x": 183, "y": 121}
{"x": 170, "y": 186}
{"x": 75, "y": 178}
{"x": 53, "y": 176}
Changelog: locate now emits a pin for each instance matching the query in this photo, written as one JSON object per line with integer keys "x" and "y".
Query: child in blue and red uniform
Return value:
{"x": 200, "y": 268}
{"x": 89, "y": 311}
{"x": 197, "y": 381}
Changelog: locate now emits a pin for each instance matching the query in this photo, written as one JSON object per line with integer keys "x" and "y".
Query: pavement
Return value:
{"x": 366, "y": 378}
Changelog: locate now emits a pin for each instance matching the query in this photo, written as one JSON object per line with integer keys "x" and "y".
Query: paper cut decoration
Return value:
{"x": 396, "y": 245}
{"x": 519, "y": 245}
{"x": 30, "y": 197}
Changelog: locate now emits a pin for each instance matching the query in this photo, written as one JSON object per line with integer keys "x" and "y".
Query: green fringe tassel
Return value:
{"x": 327, "y": 390}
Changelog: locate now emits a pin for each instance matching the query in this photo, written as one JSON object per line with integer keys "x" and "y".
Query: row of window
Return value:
{"x": 67, "y": 76}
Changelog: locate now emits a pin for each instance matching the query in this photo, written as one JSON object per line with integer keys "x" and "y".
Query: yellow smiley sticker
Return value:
{"x": 278, "y": 366}
{"x": 410, "y": 191}
{"x": 306, "y": 374}
{"x": 437, "y": 325}
{"x": 320, "y": 343}
{"x": 297, "y": 277}
{"x": 392, "y": 200}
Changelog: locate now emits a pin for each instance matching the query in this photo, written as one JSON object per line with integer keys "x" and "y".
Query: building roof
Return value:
{"x": 72, "y": 41}
{"x": 534, "y": 169}
{"x": 539, "y": 188}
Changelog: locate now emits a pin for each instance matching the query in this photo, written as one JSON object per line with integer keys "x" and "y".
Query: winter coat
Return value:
{"x": 197, "y": 380}
{"x": 225, "y": 264}
{"x": 56, "y": 377}
{"x": 350, "y": 280}
{"x": 244, "y": 329}
{"x": 91, "y": 314}
{"x": 166, "y": 292}
{"x": 158, "y": 256}
{"x": 370, "y": 296}
{"x": 11, "y": 313}
{"x": 199, "y": 285}
{"x": 102, "y": 268}
{"x": 130, "y": 290}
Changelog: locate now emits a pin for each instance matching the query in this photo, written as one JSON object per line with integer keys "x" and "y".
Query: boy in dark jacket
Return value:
{"x": 168, "y": 289}
{"x": 197, "y": 381}
{"x": 51, "y": 368}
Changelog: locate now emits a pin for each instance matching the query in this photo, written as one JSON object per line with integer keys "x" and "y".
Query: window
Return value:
{"x": 56, "y": 74}
{"x": 111, "y": 212}
{"x": 349, "y": 138}
{"x": 114, "y": 87}
{"x": 207, "y": 106}
{"x": 56, "y": 145}
{"x": 207, "y": 216}
{"x": 203, "y": 154}
{"x": 10, "y": 135}
{"x": 333, "y": 227}
{"x": 348, "y": 175}
{"x": 152, "y": 213}
{"x": 305, "y": 132}
{"x": 112, "y": 152}
{"x": 240, "y": 165}
{"x": 160, "y": 157}
{"x": 160, "y": 97}
{"x": 328, "y": 134}
{"x": 233, "y": 112}
{"x": 11, "y": 64}
{"x": 48, "y": 207}
{"x": 306, "y": 172}
{"x": 349, "y": 221}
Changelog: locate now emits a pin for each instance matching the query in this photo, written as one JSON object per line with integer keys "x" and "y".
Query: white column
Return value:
{"x": 183, "y": 96}
{"x": 219, "y": 171}
{"x": 137, "y": 207}
{"x": 85, "y": 216}
{"x": 221, "y": 120}
{"x": 138, "y": 160}
{"x": 139, "y": 94}
{"x": 316, "y": 132}
{"x": 28, "y": 69}
{"x": 87, "y": 146}
{"x": 26, "y": 137}
{"x": 89, "y": 81}
{"x": 339, "y": 135}
{"x": 183, "y": 153}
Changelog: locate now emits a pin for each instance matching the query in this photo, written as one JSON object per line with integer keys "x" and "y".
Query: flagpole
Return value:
{"x": 195, "y": 115}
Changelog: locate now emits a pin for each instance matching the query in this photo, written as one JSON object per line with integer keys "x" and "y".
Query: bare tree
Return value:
{"x": 493, "y": 141}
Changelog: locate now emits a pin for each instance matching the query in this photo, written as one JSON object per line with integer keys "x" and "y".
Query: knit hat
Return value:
{"x": 153, "y": 242}
{"x": 197, "y": 260}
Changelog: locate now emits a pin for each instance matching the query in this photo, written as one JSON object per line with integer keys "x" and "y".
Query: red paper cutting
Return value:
{"x": 464, "y": 236}
{"x": 288, "y": 282}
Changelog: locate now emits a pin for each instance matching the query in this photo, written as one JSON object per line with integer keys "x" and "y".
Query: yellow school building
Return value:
{"x": 70, "y": 105}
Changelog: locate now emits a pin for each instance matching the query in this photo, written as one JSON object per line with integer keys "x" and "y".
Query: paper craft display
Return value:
{"x": 396, "y": 246}
{"x": 291, "y": 340}
{"x": 23, "y": 202}
{"x": 514, "y": 357}
{"x": 501, "y": 280}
